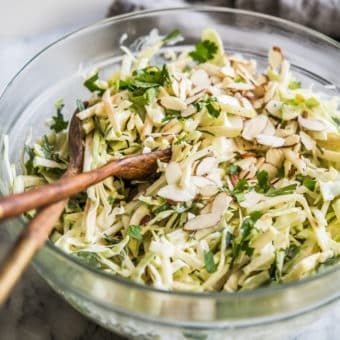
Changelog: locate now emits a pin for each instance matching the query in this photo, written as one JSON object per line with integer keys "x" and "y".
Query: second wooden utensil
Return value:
{"x": 38, "y": 230}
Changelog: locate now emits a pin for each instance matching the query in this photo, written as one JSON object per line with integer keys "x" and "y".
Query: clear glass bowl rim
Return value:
{"x": 262, "y": 291}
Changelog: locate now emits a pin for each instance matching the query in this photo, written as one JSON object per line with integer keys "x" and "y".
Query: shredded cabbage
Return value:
{"x": 251, "y": 195}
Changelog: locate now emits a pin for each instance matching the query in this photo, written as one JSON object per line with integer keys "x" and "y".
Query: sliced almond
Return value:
{"x": 254, "y": 127}
{"x": 271, "y": 91}
{"x": 200, "y": 79}
{"x": 177, "y": 194}
{"x": 189, "y": 111}
{"x": 274, "y": 106}
{"x": 173, "y": 103}
{"x": 202, "y": 221}
{"x": 261, "y": 80}
{"x": 175, "y": 87}
{"x": 173, "y": 173}
{"x": 296, "y": 160}
{"x": 205, "y": 186}
{"x": 209, "y": 190}
{"x": 206, "y": 165}
{"x": 270, "y": 129}
{"x": 221, "y": 203}
{"x": 212, "y": 69}
{"x": 258, "y": 104}
{"x": 232, "y": 128}
{"x": 184, "y": 87}
{"x": 232, "y": 105}
{"x": 194, "y": 97}
{"x": 292, "y": 140}
{"x": 240, "y": 86}
{"x": 312, "y": 124}
{"x": 250, "y": 199}
{"x": 275, "y": 57}
{"x": 273, "y": 141}
{"x": 275, "y": 157}
{"x": 308, "y": 142}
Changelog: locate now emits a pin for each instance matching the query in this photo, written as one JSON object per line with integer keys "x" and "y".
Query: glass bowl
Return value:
{"x": 124, "y": 306}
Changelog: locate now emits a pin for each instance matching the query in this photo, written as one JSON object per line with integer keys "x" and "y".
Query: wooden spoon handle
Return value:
{"x": 128, "y": 168}
{"x": 29, "y": 242}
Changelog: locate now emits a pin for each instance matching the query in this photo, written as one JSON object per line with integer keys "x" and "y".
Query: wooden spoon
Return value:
{"x": 36, "y": 233}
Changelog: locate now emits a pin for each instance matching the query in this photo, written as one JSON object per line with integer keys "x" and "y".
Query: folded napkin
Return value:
{"x": 322, "y": 15}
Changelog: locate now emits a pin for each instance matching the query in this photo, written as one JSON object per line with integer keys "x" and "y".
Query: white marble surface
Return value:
{"x": 34, "y": 311}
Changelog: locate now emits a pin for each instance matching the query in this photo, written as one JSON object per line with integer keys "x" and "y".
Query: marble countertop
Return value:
{"x": 34, "y": 311}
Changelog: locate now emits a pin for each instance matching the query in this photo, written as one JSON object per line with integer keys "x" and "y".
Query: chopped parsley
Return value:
{"x": 29, "y": 165}
{"x": 204, "y": 51}
{"x": 209, "y": 263}
{"x": 90, "y": 258}
{"x": 143, "y": 84}
{"x": 92, "y": 85}
{"x": 171, "y": 36}
{"x": 211, "y": 105}
{"x": 171, "y": 114}
{"x": 233, "y": 169}
{"x": 134, "y": 231}
{"x": 59, "y": 123}
{"x": 336, "y": 120}
{"x": 289, "y": 189}
{"x": 110, "y": 239}
{"x": 307, "y": 181}
{"x": 246, "y": 228}
{"x": 263, "y": 184}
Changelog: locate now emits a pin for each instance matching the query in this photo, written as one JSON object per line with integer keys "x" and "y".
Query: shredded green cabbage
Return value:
{"x": 251, "y": 196}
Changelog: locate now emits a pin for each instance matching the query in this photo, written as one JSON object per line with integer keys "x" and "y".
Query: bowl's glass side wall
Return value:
{"x": 58, "y": 73}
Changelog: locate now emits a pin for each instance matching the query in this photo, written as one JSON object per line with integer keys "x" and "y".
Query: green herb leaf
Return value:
{"x": 239, "y": 196}
{"x": 171, "y": 36}
{"x": 211, "y": 105}
{"x": 263, "y": 184}
{"x": 281, "y": 172}
{"x": 228, "y": 239}
{"x": 329, "y": 262}
{"x": 110, "y": 240}
{"x": 59, "y": 123}
{"x": 209, "y": 263}
{"x": 134, "y": 231}
{"x": 91, "y": 84}
{"x": 147, "y": 97}
{"x": 309, "y": 184}
{"x": 246, "y": 229}
{"x": 241, "y": 185}
{"x": 29, "y": 165}
{"x": 204, "y": 51}
{"x": 171, "y": 114}
{"x": 233, "y": 169}
{"x": 293, "y": 85}
{"x": 111, "y": 200}
{"x": 336, "y": 120}
{"x": 90, "y": 258}
{"x": 292, "y": 251}
{"x": 143, "y": 83}
{"x": 289, "y": 189}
